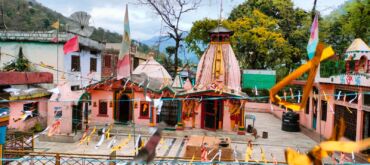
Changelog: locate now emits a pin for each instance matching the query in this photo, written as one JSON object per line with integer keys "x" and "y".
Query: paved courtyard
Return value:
{"x": 173, "y": 143}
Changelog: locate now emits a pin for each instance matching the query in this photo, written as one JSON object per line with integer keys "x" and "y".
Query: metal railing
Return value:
{"x": 49, "y": 158}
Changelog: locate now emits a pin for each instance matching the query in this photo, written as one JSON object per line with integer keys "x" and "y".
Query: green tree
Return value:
{"x": 198, "y": 38}
{"x": 343, "y": 25}
{"x": 257, "y": 42}
{"x": 293, "y": 22}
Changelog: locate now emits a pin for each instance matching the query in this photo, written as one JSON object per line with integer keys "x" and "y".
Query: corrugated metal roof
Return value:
{"x": 48, "y": 36}
{"x": 220, "y": 29}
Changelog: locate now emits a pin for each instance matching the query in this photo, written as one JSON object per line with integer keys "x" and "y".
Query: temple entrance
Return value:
{"x": 123, "y": 110}
{"x": 212, "y": 114}
{"x": 169, "y": 112}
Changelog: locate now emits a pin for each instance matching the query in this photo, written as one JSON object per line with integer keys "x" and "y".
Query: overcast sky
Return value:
{"x": 145, "y": 24}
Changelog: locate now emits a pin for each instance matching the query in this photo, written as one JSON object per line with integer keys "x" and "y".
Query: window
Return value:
{"x": 30, "y": 110}
{"x": 75, "y": 64}
{"x": 350, "y": 120}
{"x": 75, "y": 88}
{"x": 350, "y": 95}
{"x": 92, "y": 64}
{"x": 107, "y": 61}
{"x": 324, "y": 109}
{"x": 366, "y": 98}
{"x": 103, "y": 108}
{"x": 144, "y": 110}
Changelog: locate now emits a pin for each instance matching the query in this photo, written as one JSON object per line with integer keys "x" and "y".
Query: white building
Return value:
{"x": 79, "y": 68}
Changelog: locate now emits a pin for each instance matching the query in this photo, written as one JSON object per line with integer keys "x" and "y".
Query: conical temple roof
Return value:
{"x": 358, "y": 45}
{"x": 218, "y": 68}
{"x": 187, "y": 84}
{"x": 154, "y": 70}
{"x": 178, "y": 82}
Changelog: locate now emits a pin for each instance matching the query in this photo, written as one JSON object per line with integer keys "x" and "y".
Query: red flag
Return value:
{"x": 71, "y": 45}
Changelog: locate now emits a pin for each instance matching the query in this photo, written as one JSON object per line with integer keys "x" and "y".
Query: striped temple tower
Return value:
{"x": 218, "y": 70}
{"x": 218, "y": 66}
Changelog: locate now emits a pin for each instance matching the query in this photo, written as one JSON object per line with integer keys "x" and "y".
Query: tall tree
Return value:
{"x": 257, "y": 42}
{"x": 293, "y": 22}
{"x": 343, "y": 25}
{"x": 171, "y": 12}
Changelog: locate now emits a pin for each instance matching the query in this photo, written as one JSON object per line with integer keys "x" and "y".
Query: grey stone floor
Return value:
{"x": 172, "y": 144}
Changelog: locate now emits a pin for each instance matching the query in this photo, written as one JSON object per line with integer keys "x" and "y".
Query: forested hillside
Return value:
{"x": 28, "y": 15}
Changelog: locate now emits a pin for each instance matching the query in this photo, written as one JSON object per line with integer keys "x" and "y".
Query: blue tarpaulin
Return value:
{"x": 2, "y": 134}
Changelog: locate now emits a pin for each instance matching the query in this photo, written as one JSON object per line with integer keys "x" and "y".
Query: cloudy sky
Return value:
{"x": 145, "y": 24}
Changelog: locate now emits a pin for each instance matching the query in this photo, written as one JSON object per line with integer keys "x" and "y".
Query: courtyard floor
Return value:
{"x": 173, "y": 144}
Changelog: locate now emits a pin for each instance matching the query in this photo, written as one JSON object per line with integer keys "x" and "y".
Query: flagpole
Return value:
{"x": 58, "y": 51}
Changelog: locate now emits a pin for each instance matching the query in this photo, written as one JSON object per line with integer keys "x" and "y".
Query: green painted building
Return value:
{"x": 262, "y": 79}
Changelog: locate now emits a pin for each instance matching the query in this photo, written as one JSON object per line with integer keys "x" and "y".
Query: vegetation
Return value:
{"x": 171, "y": 12}
{"x": 20, "y": 64}
{"x": 29, "y": 16}
{"x": 272, "y": 34}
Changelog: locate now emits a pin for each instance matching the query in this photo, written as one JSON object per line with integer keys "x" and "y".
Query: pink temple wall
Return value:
{"x": 226, "y": 122}
{"x": 95, "y": 117}
{"x": 139, "y": 96}
{"x": 15, "y": 109}
{"x": 198, "y": 118}
{"x": 66, "y": 119}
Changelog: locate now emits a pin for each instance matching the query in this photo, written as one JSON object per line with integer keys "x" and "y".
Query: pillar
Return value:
{"x": 241, "y": 130}
{"x": 151, "y": 115}
{"x": 180, "y": 124}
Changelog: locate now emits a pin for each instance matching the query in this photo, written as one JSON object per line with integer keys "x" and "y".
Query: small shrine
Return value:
{"x": 358, "y": 57}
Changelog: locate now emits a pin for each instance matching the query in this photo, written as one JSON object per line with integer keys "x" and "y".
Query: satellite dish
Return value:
{"x": 79, "y": 24}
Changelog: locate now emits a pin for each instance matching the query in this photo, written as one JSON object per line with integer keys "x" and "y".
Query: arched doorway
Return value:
{"x": 123, "y": 111}
{"x": 362, "y": 65}
{"x": 80, "y": 112}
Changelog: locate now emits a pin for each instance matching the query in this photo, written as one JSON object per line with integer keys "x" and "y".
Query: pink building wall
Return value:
{"x": 15, "y": 109}
{"x": 139, "y": 97}
{"x": 96, "y": 118}
{"x": 97, "y": 95}
{"x": 325, "y": 128}
{"x": 66, "y": 119}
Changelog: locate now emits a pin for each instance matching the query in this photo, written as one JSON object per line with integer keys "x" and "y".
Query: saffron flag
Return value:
{"x": 124, "y": 61}
{"x": 55, "y": 25}
{"x": 71, "y": 45}
{"x": 314, "y": 38}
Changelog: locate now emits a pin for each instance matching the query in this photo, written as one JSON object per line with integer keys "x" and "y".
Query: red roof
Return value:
{"x": 20, "y": 78}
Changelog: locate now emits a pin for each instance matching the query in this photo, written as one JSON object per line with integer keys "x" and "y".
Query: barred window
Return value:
{"x": 103, "y": 108}
{"x": 75, "y": 63}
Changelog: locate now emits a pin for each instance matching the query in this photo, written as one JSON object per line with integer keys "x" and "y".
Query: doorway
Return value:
{"x": 314, "y": 113}
{"x": 212, "y": 114}
{"x": 123, "y": 110}
{"x": 366, "y": 129}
